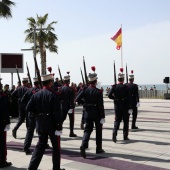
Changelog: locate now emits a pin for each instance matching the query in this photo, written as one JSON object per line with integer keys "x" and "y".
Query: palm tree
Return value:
{"x": 5, "y": 8}
{"x": 45, "y": 39}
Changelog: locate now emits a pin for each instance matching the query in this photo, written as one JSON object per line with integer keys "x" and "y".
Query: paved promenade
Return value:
{"x": 147, "y": 149}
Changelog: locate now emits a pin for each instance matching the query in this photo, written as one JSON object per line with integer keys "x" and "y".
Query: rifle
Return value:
{"x": 28, "y": 73}
{"x": 126, "y": 74}
{"x": 19, "y": 80}
{"x": 85, "y": 73}
{"x": 38, "y": 72}
{"x": 82, "y": 76}
{"x": 60, "y": 74}
{"x": 115, "y": 80}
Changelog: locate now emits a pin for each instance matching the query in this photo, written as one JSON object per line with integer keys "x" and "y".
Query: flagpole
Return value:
{"x": 121, "y": 51}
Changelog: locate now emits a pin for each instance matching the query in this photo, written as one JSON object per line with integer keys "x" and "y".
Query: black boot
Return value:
{"x": 99, "y": 151}
{"x": 135, "y": 127}
{"x": 83, "y": 152}
{"x": 72, "y": 135}
{"x": 5, "y": 164}
{"x": 125, "y": 138}
{"x": 14, "y": 133}
{"x": 114, "y": 139}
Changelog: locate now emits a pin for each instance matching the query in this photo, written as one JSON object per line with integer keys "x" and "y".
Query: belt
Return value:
{"x": 90, "y": 105}
{"x": 46, "y": 114}
{"x": 119, "y": 99}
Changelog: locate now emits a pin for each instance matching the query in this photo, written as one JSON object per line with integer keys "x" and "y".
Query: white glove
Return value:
{"x": 102, "y": 121}
{"x": 58, "y": 133}
{"x": 70, "y": 111}
{"x": 130, "y": 111}
{"x": 7, "y": 127}
{"x": 138, "y": 104}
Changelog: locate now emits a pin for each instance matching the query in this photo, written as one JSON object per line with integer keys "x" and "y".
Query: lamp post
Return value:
{"x": 35, "y": 46}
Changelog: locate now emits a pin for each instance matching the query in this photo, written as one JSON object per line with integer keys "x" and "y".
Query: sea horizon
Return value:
{"x": 148, "y": 86}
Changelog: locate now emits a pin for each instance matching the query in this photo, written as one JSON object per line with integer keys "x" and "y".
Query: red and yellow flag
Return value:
{"x": 118, "y": 39}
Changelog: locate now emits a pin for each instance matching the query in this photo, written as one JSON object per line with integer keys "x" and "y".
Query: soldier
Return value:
{"x": 67, "y": 97}
{"x": 14, "y": 104}
{"x": 133, "y": 99}
{"x": 119, "y": 93}
{"x": 93, "y": 114}
{"x": 7, "y": 92}
{"x": 18, "y": 93}
{"x": 4, "y": 127}
{"x": 49, "y": 122}
{"x": 31, "y": 116}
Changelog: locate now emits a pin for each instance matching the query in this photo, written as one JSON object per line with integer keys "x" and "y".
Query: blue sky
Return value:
{"x": 84, "y": 28}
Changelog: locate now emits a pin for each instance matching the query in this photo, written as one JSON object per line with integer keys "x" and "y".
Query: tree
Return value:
{"x": 5, "y": 8}
{"x": 45, "y": 39}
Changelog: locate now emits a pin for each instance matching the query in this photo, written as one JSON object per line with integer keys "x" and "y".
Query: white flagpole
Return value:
{"x": 121, "y": 51}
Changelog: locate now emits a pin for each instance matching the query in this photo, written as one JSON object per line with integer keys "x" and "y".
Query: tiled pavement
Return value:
{"x": 147, "y": 149}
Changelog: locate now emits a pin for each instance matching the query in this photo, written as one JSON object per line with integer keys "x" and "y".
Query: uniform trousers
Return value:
{"x": 134, "y": 116}
{"x": 71, "y": 118}
{"x": 121, "y": 112}
{"x": 89, "y": 125}
{"x": 40, "y": 148}
{"x": 22, "y": 115}
{"x": 3, "y": 148}
{"x": 30, "y": 132}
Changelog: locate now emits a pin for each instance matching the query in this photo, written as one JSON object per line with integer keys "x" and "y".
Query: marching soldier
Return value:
{"x": 119, "y": 93}
{"x": 31, "y": 116}
{"x": 4, "y": 127}
{"x": 133, "y": 99}
{"x": 18, "y": 93}
{"x": 93, "y": 114}
{"x": 49, "y": 122}
{"x": 67, "y": 97}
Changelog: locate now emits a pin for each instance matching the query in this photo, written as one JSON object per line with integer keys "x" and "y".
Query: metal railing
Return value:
{"x": 152, "y": 94}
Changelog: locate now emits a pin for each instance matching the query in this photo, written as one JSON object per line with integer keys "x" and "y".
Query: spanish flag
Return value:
{"x": 118, "y": 39}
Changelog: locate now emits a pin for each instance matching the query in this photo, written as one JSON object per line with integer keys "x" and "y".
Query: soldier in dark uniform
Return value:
{"x": 133, "y": 99}
{"x": 49, "y": 122}
{"x": 56, "y": 85}
{"x": 67, "y": 97}
{"x": 4, "y": 127}
{"x": 93, "y": 114}
{"x": 7, "y": 92}
{"x": 18, "y": 93}
{"x": 31, "y": 116}
{"x": 14, "y": 104}
{"x": 119, "y": 93}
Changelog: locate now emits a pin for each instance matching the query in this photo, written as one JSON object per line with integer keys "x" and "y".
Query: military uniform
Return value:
{"x": 133, "y": 100}
{"x": 67, "y": 97}
{"x": 119, "y": 93}
{"x": 93, "y": 114}
{"x": 4, "y": 122}
{"x": 47, "y": 106}
{"x": 31, "y": 116}
{"x": 19, "y": 93}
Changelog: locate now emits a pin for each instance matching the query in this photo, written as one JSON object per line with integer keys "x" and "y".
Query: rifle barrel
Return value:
{"x": 28, "y": 73}
{"x": 19, "y": 80}
{"x": 85, "y": 73}
{"x": 60, "y": 75}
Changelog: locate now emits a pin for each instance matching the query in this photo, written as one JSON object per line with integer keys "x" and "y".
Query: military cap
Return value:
{"x": 67, "y": 77}
{"x": 46, "y": 77}
{"x": 131, "y": 76}
{"x": 35, "y": 79}
{"x": 25, "y": 79}
{"x": 121, "y": 75}
{"x": 92, "y": 76}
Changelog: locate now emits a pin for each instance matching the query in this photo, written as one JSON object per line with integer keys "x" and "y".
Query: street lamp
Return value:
{"x": 35, "y": 29}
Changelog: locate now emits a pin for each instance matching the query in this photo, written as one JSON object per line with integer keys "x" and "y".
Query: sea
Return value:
{"x": 148, "y": 86}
